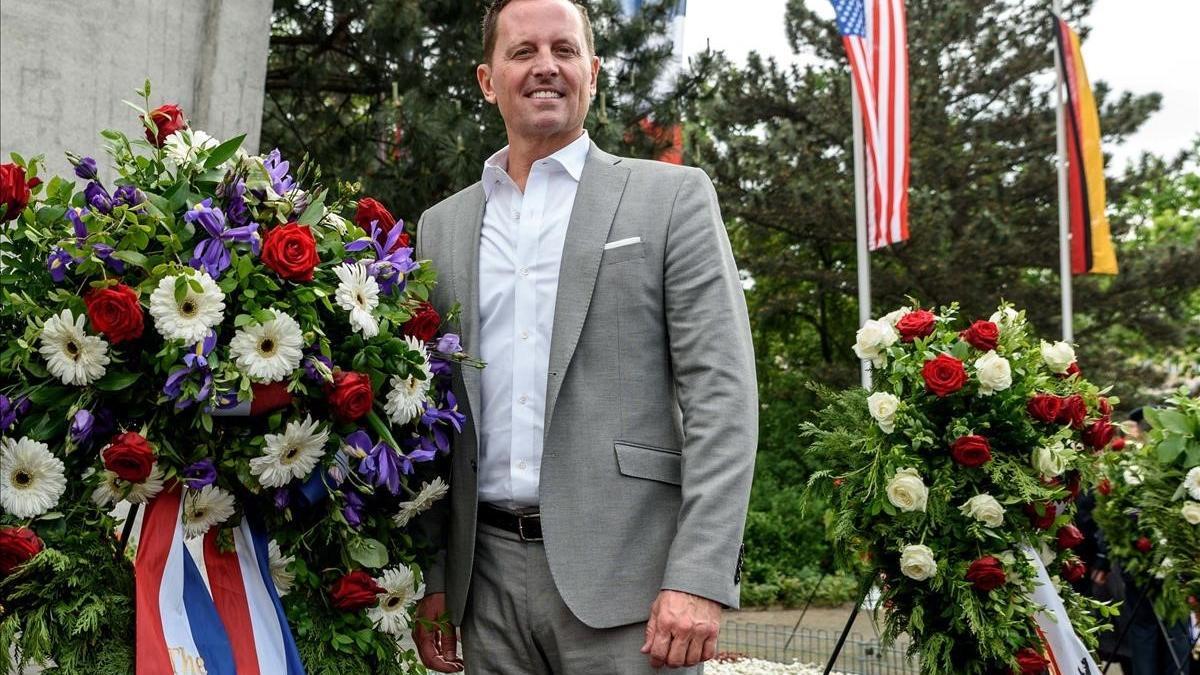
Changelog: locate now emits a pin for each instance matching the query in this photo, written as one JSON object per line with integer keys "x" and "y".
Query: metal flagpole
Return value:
{"x": 860, "y": 220}
{"x": 1064, "y": 215}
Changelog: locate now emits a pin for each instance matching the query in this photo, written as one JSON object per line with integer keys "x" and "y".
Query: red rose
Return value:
{"x": 1045, "y": 518}
{"x": 1073, "y": 412}
{"x": 14, "y": 191}
{"x": 424, "y": 323}
{"x": 115, "y": 312}
{"x": 1104, "y": 487}
{"x": 17, "y": 546}
{"x": 1045, "y": 408}
{"x": 370, "y": 211}
{"x": 1118, "y": 443}
{"x": 1143, "y": 544}
{"x": 1074, "y": 483}
{"x": 167, "y": 119}
{"x": 291, "y": 252}
{"x": 916, "y": 324}
{"x": 1031, "y": 661}
{"x": 129, "y": 456}
{"x": 269, "y": 397}
{"x": 1069, "y": 536}
{"x": 986, "y": 574}
{"x": 971, "y": 451}
{"x": 350, "y": 396}
{"x": 944, "y": 375}
{"x": 982, "y": 335}
{"x": 1105, "y": 408}
{"x": 355, "y": 591}
{"x": 1071, "y": 370}
{"x": 1099, "y": 434}
{"x": 1073, "y": 570}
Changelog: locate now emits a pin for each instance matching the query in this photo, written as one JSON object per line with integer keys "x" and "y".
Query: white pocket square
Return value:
{"x": 622, "y": 242}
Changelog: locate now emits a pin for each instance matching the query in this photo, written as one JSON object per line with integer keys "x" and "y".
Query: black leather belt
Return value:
{"x": 528, "y": 526}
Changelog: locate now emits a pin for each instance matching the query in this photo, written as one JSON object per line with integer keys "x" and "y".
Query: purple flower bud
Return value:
{"x": 317, "y": 368}
{"x": 353, "y": 510}
{"x": 201, "y": 474}
{"x": 282, "y": 498}
{"x": 97, "y": 197}
{"x": 128, "y": 195}
{"x": 76, "y": 217}
{"x": 82, "y": 426}
{"x": 12, "y": 410}
{"x": 85, "y": 168}
{"x": 105, "y": 253}
{"x": 449, "y": 344}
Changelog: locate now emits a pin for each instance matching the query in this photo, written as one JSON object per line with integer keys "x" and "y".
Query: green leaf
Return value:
{"x": 224, "y": 151}
{"x": 315, "y": 211}
{"x": 132, "y": 257}
{"x": 181, "y": 288}
{"x": 116, "y": 381}
{"x": 44, "y": 396}
{"x": 263, "y": 315}
{"x": 368, "y": 552}
{"x": 1174, "y": 421}
{"x": 1170, "y": 448}
{"x": 50, "y": 215}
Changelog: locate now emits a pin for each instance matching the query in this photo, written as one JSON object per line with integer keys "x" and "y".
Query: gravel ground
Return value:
{"x": 732, "y": 666}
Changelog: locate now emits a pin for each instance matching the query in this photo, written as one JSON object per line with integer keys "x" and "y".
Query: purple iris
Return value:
{"x": 85, "y": 168}
{"x": 12, "y": 410}
{"x": 318, "y": 368}
{"x": 353, "y": 510}
{"x": 58, "y": 262}
{"x": 97, "y": 197}
{"x": 196, "y": 369}
{"x": 277, "y": 169}
{"x": 235, "y": 202}
{"x": 128, "y": 195}
{"x": 105, "y": 253}
{"x": 391, "y": 262}
{"x": 212, "y": 254}
{"x": 420, "y": 449}
{"x": 201, "y": 474}
{"x": 382, "y": 465}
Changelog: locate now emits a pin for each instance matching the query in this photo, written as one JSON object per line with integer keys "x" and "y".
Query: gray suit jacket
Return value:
{"x": 651, "y": 406}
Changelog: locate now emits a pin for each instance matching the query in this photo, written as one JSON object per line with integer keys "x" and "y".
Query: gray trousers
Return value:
{"x": 517, "y": 623}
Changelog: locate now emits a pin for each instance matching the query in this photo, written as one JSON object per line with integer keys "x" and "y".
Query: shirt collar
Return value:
{"x": 571, "y": 158}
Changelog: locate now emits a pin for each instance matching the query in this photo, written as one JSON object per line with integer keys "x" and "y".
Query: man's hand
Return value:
{"x": 682, "y": 630}
{"x": 434, "y": 635}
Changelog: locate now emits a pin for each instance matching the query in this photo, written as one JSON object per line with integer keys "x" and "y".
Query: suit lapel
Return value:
{"x": 600, "y": 188}
{"x": 465, "y": 252}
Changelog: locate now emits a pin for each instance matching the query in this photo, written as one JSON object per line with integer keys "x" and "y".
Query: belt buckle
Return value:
{"x": 521, "y": 527}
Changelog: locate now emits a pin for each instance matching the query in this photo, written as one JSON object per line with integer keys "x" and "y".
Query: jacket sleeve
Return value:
{"x": 434, "y": 523}
{"x": 712, "y": 359}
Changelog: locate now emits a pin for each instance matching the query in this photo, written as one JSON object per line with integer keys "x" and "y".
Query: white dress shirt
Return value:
{"x": 520, "y": 250}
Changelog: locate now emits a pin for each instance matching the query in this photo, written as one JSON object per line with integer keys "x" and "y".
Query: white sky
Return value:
{"x": 1135, "y": 45}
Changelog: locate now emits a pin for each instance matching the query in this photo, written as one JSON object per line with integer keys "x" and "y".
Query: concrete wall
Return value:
{"x": 66, "y": 65}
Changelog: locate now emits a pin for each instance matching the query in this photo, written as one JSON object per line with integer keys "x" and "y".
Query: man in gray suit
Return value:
{"x": 599, "y": 488}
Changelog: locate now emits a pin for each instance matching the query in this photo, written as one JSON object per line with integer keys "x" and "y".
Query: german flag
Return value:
{"x": 1091, "y": 239}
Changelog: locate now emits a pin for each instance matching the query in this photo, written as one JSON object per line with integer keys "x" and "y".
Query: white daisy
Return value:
{"x": 205, "y": 508}
{"x": 31, "y": 478}
{"x": 184, "y": 146}
{"x": 430, "y": 493}
{"x": 270, "y": 351}
{"x": 358, "y": 294}
{"x": 280, "y": 574}
{"x": 400, "y": 592}
{"x": 72, "y": 355}
{"x": 408, "y": 393}
{"x": 190, "y": 318}
{"x": 112, "y": 488}
{"x": 290, "y": 455}
{"x": 1191, "y": 482}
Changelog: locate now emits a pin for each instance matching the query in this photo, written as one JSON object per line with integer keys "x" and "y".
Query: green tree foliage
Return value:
{"x": 983, "y": 211}
{"x": 385, "y": 92}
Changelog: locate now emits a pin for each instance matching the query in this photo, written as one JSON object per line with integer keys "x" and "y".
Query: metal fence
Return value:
{"x": 862, "y": 656}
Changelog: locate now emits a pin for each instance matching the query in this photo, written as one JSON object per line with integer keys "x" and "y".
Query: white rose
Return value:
{"x": 872, "y": 339}
{"x": 1007, "y": 557}
{"x": 1191, "y": 512}
{"x": 891, "y": 318}
{"x": 1052, "y": 460}
{"x": 883, "y": 408}
{"x": 995, "y": 374}
{"x": 916, "y": 562}
{"x": 1058, "y": 356}
{"x": 906, "y": 491}
{"x": 1047, "y": 554}
{"x": 1191, "y": 482}
{"x": 985, "y": 509}
{"x": 1133, "y": 475}
{"x": 1005, "y": 315}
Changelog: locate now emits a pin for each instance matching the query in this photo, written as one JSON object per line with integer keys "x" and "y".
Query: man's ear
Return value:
{"x": 483, "y": 73}
{"x": 595, "y": 73}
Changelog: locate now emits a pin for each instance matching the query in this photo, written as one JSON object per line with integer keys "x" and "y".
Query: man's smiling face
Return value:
{"x": 540, "y": 73}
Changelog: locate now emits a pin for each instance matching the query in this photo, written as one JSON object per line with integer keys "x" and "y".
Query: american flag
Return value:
{"x": 874, "y": 35}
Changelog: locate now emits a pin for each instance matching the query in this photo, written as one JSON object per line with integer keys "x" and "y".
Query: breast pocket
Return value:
{"x": 643, "y": 461}
{"x": 634, "y": 251}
